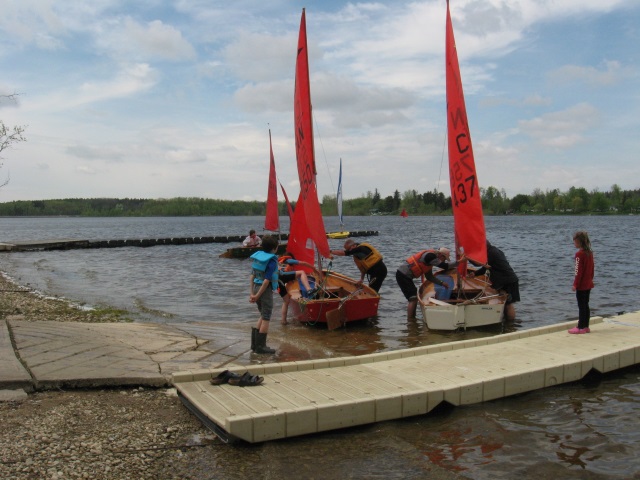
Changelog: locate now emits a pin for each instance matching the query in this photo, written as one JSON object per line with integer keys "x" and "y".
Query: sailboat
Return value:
{"x": 468, "y": 301}
{"x": 338, "y": 299}
{"x": 272, "y": 217}
{"x": 404, "y": 213}
{"x": 341, "y": 233}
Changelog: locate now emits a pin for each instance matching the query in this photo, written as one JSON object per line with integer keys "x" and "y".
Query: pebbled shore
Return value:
{"x": 105, "y": 434}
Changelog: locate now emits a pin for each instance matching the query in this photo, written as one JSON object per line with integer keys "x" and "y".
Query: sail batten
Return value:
{"x": 466, "y": 202}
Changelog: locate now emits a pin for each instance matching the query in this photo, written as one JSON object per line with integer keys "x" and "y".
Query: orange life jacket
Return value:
{"x": 285, "y": 267}
{"x": 417, "y": 267}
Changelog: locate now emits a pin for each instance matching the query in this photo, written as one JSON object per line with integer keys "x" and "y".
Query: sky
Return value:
{"x": 162, "y": 99}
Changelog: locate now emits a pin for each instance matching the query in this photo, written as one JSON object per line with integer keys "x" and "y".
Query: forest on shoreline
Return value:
{"x": 575, "y": 201}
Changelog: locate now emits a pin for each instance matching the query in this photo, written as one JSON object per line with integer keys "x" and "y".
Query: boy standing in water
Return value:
{"x": 264, "y": 281}
{"x": 583, "y": 280}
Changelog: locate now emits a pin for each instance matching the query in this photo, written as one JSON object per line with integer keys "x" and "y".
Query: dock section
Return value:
{"x": 299, "y": 398}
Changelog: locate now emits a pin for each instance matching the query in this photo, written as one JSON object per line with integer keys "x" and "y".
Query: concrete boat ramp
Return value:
{"x": 298, "y": 398}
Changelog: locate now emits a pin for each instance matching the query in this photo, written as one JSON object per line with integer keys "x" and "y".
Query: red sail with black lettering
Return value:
{"x": 303, "y": 131}
{"x": 272, "y": 219}
{"x": 470, "y": 235}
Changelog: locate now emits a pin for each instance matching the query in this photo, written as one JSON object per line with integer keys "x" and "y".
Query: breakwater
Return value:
{"x": 69, "y": 244}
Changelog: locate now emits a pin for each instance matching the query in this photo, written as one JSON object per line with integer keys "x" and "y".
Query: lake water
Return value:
{"x": 589, "y": 429}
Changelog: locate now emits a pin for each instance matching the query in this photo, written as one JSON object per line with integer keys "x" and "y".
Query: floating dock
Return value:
{"x": 299, "y": 398}
{"x": 68, "y": 244}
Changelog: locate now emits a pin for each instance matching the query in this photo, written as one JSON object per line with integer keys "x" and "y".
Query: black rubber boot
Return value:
{"x": 254, "y": 338}
{"x": 261, "y": 344}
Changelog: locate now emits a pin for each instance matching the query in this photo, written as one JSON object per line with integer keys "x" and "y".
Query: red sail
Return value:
{"x": 465, "y": 190}
{"x": 272, "y": 219}
{"x": 300, "y": 243}
{"x": 286, "y": 199}
{"x": 303, "y": 131}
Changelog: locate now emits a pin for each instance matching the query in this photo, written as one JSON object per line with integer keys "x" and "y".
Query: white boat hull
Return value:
{"x": 485, "y": 308}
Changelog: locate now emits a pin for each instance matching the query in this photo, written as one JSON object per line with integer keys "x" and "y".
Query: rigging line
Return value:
{"x": 437, "y": 186}
{"x": 319, "y": 137}
{"x": 444, "y": 145}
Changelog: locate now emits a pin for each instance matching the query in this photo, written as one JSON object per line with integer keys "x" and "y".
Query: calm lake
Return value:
{"x": 589, "y": 429}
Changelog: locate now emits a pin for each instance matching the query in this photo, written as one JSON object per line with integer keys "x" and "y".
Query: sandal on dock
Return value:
{"x": 224, "y": 377}
{"x": 246, "y": 380}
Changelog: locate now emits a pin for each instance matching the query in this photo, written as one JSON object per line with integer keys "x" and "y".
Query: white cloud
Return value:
{"x": 562, "y": 129}
{"x": 31, "y": 22}
{"x": 131, "y": 80}
{"x": 611, "y": 73}
{"x": 260, "y": 57}
{"x": 153, "y": 40}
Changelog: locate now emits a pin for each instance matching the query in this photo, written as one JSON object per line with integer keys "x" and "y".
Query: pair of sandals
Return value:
{"x": 244, "y": 380}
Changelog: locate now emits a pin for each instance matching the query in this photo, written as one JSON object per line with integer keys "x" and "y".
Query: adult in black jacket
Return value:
{"x": 502, "y": 278}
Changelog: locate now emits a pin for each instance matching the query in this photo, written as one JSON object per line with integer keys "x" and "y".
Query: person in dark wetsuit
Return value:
{"x": 368, "y": 260}
{"x": 502, "y": 278}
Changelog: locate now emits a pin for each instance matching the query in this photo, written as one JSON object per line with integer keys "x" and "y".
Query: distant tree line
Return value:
{"x": 131, "y": 207}
{"x": 494, "y": 202}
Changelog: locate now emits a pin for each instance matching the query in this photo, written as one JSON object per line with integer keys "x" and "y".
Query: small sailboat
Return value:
{"x": 467, "y": 302}
{"x": 272, "y": 217}
{"x": 338, "y": 299}
{"x": 404, "y": 213}
{"x": 342, "y": 233}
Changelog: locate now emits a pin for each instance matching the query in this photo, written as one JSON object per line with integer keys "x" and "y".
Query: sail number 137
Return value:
{"x": 464, "y": 190}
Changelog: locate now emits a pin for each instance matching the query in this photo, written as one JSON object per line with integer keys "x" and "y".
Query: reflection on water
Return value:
{"x": 589, "y": 429}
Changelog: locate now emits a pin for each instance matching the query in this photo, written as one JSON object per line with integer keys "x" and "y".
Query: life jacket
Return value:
{"x": 369, "y": 261}
{"x": 417, "y": 267}
{"x": 284, "y": 266}
{"x": 260, "y": 261}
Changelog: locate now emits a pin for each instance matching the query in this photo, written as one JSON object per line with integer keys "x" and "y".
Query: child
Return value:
{"x": 583, "y": 280}
{"x": 288, "y": 273}
{"x": 264, "y": 280}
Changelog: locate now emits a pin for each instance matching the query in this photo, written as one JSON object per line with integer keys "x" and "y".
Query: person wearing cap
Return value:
{"x": 502, "y": 278}
{"x": 368, "y": 260}
{"x": 416, "y": 266}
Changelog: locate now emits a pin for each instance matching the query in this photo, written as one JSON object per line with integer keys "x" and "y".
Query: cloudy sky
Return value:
{"x": 159, "y": 99}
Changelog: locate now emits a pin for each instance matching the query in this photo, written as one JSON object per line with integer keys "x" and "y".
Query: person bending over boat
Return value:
{"x": 264, "y": 281}
{"x": 287, "y": 273}
{"x": 367, "y": 259}
{"x": 416, "y": 266}
{"x": 252, "y": 240}
{"x": 502, "y": 278}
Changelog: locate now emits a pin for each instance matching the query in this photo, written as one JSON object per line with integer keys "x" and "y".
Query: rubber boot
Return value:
{"x": 261, "y": 344}
{"x": 254, "y": 336}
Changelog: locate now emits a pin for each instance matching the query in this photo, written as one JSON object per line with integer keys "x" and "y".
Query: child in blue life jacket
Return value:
{"x": 264, "y": 281}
